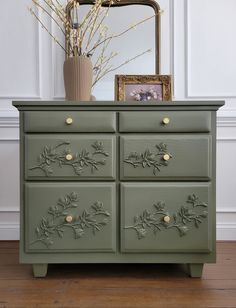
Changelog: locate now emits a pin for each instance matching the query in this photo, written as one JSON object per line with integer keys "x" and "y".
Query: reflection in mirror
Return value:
{"x": 135, "y": 42}
{"x": 136, "y": 48}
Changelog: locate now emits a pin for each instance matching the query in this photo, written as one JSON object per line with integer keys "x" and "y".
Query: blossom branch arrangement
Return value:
{"x": 87, "y": 36}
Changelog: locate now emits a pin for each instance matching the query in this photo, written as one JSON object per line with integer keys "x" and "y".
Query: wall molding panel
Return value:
{"x": 226, "y": 122}
{"x": 172, "y": 43}
{"x": 37, "y": 94}
{"x": 9, "y": 127}
{"x": 190, "y": 93}
{"x": 9, "y": 122}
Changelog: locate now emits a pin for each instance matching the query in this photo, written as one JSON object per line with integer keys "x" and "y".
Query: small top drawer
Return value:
{"x": 165, "y": 121}
{"x": 69, "y": 121}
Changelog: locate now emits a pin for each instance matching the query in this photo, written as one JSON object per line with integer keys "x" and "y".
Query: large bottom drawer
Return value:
{"x": 70, "y": 217}
{"x": 166, "y": 217}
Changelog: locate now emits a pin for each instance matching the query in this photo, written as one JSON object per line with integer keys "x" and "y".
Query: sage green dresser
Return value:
{"x": 109, "y": 182}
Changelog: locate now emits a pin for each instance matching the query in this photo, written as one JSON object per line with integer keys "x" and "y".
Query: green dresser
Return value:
{"x": 109, "y": 182}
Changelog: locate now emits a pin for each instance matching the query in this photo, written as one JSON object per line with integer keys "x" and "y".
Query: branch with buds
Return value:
{"x": 87, "y": 35}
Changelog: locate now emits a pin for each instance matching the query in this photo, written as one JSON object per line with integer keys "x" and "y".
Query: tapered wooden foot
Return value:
{"x": 40, "y": 270}
{"x": 195, "y": 269}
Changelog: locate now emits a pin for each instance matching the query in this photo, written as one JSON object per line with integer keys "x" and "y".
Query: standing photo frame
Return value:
{"x": 143, "y": 88}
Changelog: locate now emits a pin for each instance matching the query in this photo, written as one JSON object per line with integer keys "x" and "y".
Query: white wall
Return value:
{"x": 198, "y": 49}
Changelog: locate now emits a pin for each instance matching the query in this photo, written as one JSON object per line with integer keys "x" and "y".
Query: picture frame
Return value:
{"x": 143, "y": 88}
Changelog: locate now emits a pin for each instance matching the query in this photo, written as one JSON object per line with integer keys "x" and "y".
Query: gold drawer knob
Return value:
{"x": 69, "y": 121}
{"x": 69, "y": 218}
{"x": 166, "y": 157}
{"x": 69, "y": 157}
{"x": 166, "y": 121}
{"x": 166, "y": 219}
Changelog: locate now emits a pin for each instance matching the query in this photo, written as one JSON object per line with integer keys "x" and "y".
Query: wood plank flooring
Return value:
{"x": 118, "y": 286}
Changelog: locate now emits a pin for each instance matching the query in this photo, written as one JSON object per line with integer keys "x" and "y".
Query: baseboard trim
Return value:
{"x": 9, "y": 232}
{"x": 226, "y": 232}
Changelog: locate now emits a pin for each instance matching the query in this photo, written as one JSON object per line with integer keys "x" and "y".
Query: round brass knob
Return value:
{"x": 69, "y": 218}
{"x": 166, "y": 219}
{"x": 69, "y": 121}
{"x": 166, "y": 121}
{"x": 69, "y": 157}
{"x": 166, "y": 157}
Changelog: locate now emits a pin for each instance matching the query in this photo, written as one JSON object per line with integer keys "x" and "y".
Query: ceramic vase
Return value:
{"x": 78, "y": 78}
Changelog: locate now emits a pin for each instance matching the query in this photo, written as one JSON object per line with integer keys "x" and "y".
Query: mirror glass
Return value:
{"x": 134, "y": 42}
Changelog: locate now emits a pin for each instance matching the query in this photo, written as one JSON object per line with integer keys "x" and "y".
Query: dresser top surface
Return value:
{"x": 115, "y": 105}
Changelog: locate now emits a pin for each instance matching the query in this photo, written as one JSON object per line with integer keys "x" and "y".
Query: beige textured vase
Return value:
{"x": 78, "y": 78}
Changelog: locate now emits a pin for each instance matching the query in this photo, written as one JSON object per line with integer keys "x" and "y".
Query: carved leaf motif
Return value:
{"x": 50, "y": 156}
{"x": 60, "y": 232}
{"x": 79, "y": 232}
{"x": 149, "y": 159}
{"x": 99, "y": 148}
{"x": 181, "y": 220}
{"x": 55, "y": 224}
{"x": 160, "y": 206}
{"x": 141, "y": 232}
{"x": 183, "y": 230}
{"x": 194, "y": 200}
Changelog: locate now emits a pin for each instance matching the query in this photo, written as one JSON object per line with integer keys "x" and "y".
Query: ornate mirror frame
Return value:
{"x": 117, "y": 3}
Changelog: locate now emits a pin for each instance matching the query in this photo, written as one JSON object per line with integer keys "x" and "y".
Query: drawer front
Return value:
{"x": 165, "y": 157}
{"x": 63, "y": 157}
{"x": 69, "y": 121}
{"x": 70, "y": 217}
{"x": 169, "y": 121}
{"x": 166, "y": 217}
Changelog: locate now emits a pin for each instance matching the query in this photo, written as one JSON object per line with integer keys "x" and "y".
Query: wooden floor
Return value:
{"x": 118, "y": 286}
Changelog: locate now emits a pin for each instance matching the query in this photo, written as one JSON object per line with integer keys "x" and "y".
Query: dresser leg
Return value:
{"x": 40, "y": 270}
{"x": 195, "y": 269}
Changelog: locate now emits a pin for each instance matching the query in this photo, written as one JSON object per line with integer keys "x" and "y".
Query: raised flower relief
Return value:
{"x": 56, "y": 223}
{"x": 148, "y": 159}
{"x": 57, "y": 155}
{"x": 184, "y": 219}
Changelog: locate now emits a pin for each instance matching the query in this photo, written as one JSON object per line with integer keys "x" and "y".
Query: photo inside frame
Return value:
{"x": 143, "y": 92}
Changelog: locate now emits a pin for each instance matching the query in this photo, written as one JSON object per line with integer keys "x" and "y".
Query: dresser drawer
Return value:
{"x": 70, "y": 217}
{"x": 69, "y": 121}
{"x": 80, "y": 157}
{"x": 165, "y": 121}
{"x": 165, "y": 157}
{"x": 166, "y": 217}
